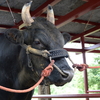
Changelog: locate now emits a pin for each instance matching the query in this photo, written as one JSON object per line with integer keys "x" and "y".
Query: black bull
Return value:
{"x": 14, "y": 70}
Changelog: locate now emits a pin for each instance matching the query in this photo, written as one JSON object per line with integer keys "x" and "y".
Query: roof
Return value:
{"x": 80, "y": 18}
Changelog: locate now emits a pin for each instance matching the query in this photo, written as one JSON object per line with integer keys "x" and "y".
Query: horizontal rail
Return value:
{"x": 68, "y": 96}
{"x": 93, "y": 91}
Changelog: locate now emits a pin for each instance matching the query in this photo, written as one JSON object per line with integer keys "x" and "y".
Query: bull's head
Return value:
{"x": 42, "y": 34}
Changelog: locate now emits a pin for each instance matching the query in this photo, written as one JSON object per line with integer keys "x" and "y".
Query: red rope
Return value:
{"x": 46, "y": 72}
{"x": 82, "y": 67}
{"x": 94, "y": 67}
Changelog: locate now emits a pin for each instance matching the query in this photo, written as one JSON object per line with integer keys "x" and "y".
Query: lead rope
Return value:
{"x": 45, "y": 73}
{"x": 72, "y": 63}
{"x": 80, "y": 67}
{"x": 55, "y": 66}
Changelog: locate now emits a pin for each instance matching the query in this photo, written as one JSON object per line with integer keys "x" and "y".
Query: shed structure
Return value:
{"x": 80, "y": 18}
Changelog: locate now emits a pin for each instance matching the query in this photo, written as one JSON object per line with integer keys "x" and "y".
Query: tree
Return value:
{"x": 94, "y": 75}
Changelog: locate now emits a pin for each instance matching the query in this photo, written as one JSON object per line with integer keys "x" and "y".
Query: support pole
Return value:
{"x": 43, "y": 90}
{"x": 85, "y": 71}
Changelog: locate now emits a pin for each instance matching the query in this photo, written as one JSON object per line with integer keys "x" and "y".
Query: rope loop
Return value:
{"x": 47, "y": 71}
{"x": 80, "y": 67}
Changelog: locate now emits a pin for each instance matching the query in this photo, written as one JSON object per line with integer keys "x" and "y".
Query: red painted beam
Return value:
{"x": 86, "y": 42}
{"x": 77, "y": 12}
{"x": 85, "y": 22}
{"x": 88, "y": 32}
{"x": 85, "y": 71}
{"x": 43, "y": 7}
{"x": 19, "y": 11}
{"x": 80, "y": 50}
{"x": 93, "y": 37}
{"x": 68, "y": 96}
{"x": 90, "y": 36}
{"x": 94, "y": 90}
{"x": 7, "y": 9}
{"x": 73, "y": 50}
{"x": 5, "y": 26}
{"x": 44, "y": 15}
{"x": 86, "y": 0}
{"x": 39, "y": 10}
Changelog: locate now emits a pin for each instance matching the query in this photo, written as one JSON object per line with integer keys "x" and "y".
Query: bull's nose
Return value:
{"x": 68, "y": 75}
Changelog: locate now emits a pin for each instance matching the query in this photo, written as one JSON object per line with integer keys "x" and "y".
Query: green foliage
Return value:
{"x": 80, "y": 82}
{"x": 97, "y": 60}
{"x": 94, "y": 79}
{"x": 94, "y": 75}
{"x": 36, "y": 91}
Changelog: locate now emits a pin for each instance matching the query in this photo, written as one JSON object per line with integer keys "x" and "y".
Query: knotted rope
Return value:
{"x": 45, "y": 73}
{"x": 80, "y": 67}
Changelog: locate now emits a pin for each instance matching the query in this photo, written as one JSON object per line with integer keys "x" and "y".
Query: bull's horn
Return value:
{"x": 26, "y": 17}
{"x": 50, "y": 14}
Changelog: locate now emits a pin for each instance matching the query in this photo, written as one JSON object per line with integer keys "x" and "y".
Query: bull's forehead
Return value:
{"x": 49, "y": 30}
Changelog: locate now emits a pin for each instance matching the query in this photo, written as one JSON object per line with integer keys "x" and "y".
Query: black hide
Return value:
{"x": 14, "y": 70}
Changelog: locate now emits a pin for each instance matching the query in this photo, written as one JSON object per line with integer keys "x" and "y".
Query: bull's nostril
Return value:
{"x": 69, "y": 75}
{"x": 66, "y": 74}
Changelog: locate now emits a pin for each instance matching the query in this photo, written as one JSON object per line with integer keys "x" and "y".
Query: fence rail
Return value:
{"x": 68, "y": 96}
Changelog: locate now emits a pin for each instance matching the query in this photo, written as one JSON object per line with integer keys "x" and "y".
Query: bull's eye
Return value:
{"x": 37, "y": 42}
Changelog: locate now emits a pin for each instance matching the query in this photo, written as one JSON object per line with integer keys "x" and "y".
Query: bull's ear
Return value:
{"x": 66, "y": 36}
{"x": 14, "y": 35}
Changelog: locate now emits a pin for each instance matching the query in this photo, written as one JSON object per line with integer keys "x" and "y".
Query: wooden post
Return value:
{"x": 42, "y": 90}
